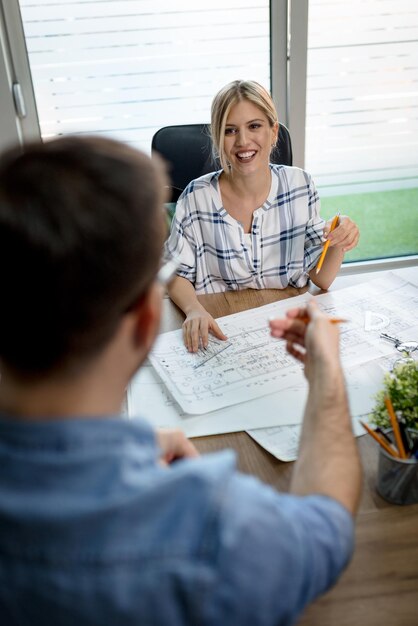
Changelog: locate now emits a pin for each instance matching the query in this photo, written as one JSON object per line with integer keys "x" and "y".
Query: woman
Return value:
{"x": 251, "y": 224}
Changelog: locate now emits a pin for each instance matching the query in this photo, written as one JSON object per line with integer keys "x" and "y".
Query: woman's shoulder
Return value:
{"x": 291, "y": 173}
{"x": 201, "y": 184}
{"x": 200, "y": 195}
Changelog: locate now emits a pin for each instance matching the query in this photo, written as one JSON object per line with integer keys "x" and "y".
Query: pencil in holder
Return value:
{"x": 397, "y": 479}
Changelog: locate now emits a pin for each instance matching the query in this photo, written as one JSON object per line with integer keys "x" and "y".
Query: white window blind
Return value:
{"x": 362, "y": 95}
{"x": 125, "y": 68}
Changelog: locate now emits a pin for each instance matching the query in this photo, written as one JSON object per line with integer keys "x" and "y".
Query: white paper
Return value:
{"x": 148, "y": 397}
{"x": 283, "y": 441}
{"x": 252, "y": 364}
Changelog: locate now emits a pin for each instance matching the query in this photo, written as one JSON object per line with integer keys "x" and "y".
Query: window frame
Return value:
{"x": 15, "y": 70}
{"x": 288, "y": 60}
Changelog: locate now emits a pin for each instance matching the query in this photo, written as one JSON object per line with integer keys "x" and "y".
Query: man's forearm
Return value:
{"x": 328, "y": 460}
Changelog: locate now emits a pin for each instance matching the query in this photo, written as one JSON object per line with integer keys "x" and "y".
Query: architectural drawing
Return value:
{"x": 149, "y": 398}
{"x": 283, "y": 441}
{"x": 252, "y": 364}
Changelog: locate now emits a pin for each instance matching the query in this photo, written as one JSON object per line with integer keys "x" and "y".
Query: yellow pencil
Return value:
{"x": 334, "y": 224}
{"x": 380, "y": 440}
{"x": 395, "y": 428}
{"x": 332, "y": 320}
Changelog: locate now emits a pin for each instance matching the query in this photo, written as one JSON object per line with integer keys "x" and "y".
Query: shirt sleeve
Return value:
{"x": 279, "y": 551}
{"x": 314, "y": 229}
{"x": 180, "y": 243}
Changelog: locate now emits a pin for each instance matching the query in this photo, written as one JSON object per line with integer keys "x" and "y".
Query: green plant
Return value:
{"x": 401, "y": 385}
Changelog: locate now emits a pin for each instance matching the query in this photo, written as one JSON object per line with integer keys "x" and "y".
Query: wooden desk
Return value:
{"x": 380, "y": 586}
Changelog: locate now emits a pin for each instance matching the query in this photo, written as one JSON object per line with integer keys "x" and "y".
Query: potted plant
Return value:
{"x": 401, "y": 385}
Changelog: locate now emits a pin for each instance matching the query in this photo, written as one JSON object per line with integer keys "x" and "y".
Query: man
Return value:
{"x": 104, "y": 521}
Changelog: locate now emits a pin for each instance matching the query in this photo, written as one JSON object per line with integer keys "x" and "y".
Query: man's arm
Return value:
{"x": 328, "y": 461}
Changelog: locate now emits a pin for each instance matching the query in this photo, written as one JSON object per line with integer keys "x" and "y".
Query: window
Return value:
{"x": 126, "y": 68}
{"x": 362, "y": 118}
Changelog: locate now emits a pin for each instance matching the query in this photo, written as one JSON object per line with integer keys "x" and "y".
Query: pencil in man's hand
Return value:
{"x": 334, "y": 225}
{"x": 332, "y": 320}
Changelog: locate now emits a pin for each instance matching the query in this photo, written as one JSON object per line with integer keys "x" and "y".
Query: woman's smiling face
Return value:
{"x": 248, "y": 138}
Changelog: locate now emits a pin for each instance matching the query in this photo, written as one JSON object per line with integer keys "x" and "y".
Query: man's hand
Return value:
{"x": 326, "y": 431}
{"x": 315, "y": 342}
{"x": 174, "y": 445}
{"x": 196, "y": 328}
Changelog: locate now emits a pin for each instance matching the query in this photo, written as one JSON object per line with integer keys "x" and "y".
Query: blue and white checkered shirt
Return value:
{"x": 283, "y": 246}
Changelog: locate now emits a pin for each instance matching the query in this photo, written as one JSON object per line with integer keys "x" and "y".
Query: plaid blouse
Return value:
{"x": 283, "y": 246}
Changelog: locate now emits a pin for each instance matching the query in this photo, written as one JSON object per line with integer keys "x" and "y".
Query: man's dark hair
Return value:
{"x": 81, "y": 232}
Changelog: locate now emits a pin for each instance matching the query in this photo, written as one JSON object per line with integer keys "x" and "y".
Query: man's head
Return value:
{"x": 81, "y": 233}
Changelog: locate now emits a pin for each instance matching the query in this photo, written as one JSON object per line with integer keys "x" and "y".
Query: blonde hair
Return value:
{"x": 227, "y": 98}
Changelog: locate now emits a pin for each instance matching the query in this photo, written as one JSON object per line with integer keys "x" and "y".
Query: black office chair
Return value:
{"x": 188, "y": 150}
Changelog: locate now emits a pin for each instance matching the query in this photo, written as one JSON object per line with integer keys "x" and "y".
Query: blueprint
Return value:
{"x": 283, "y": 441}
{"x": 149, "y": 398}
{"x": 251, "y": 364}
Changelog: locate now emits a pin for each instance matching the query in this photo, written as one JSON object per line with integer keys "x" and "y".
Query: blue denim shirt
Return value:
{"x": 93, "y": 530}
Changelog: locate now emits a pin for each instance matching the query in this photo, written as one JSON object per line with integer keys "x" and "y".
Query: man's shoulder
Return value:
{"x": 113, "y": 523}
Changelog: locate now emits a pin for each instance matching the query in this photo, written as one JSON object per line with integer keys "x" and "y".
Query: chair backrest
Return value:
{"x": 188, "y": 150}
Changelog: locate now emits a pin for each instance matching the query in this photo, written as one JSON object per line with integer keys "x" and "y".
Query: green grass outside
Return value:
{"x": 388, "y": 221}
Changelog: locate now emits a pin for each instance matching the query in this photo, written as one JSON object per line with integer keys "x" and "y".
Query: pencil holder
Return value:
{"x": 397, "y": 479}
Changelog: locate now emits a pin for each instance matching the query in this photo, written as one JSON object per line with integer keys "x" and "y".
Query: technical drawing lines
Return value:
{"x": 211, "y": 356}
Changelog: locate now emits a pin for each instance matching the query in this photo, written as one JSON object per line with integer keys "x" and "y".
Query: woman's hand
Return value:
{"x": 198, "y": 322}
{"x": 345, "y": 236}
{"x": 196, "y": 328}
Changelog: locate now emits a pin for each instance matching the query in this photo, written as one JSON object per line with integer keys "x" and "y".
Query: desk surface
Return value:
{"x": 380, "y": 586}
